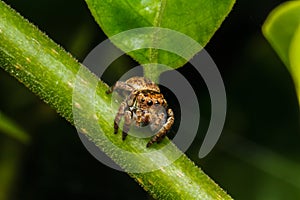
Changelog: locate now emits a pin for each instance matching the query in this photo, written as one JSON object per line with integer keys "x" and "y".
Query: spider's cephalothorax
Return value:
{"x": 143, "y": 105}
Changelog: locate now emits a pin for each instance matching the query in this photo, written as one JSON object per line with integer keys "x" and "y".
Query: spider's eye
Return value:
{"x": 143, "y": 100}
{"x": 157, "y": 102}
{"x": 149, "y": 103}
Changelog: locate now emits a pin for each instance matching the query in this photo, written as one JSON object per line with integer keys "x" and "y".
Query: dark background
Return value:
{"x": 257, "y": 156}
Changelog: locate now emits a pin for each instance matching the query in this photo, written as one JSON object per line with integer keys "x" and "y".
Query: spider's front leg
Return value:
{"x": 163, "y": 131}
{"x": 119, "y": 85}
{"x": 123, "y": 111}
{"x": 127, "y": 123}
{"x": 128, "y": 114}
{"x": 119, "y": 115}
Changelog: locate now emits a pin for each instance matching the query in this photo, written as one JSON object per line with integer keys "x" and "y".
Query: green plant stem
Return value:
{"x": 50, "y": 72}
{"x": 151, "y": 73}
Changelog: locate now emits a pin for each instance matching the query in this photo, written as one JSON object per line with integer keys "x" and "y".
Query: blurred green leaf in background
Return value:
{"x": 282, "y": 29}
{"x": 10, "y": 154}
{"x": 10, "y": 128}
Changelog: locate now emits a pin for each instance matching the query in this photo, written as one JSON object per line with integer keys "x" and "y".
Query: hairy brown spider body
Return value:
{"x": 144, "y": 105}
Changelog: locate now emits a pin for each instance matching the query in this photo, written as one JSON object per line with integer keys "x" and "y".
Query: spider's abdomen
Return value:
{"x": 142, "y": 83}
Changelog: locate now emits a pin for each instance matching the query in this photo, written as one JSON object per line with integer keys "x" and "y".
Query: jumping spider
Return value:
{"x": 144, "y": 105}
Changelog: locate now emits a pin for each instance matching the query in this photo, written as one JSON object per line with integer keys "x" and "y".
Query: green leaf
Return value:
{"x": 10, "y": 128}
{"x": 282, "y": 30}
{"x": 196, "y": 19}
